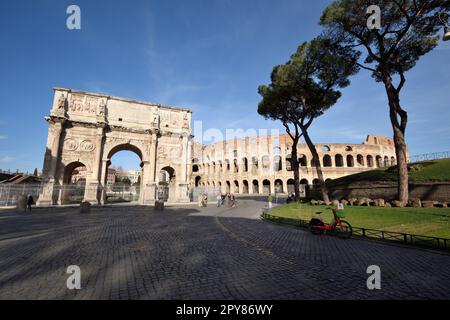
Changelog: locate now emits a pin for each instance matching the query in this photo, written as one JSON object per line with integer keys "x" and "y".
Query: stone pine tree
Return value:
{"x": 392, "y": 40}
{"x": 303, "y": 89}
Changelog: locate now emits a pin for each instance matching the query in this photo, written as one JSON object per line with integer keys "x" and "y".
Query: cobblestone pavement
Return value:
{"x": 207, "y": 253}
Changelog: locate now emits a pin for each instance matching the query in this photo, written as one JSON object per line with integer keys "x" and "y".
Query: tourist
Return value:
{"x": 233, "y": 200}
{"x": 30, "y": 201}
{"x": 205, "y": 200}
{"x": 219, "y": 200}
{"x": 269, "y": 200}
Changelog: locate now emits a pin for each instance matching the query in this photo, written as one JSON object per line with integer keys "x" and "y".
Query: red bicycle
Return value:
{"x": 341, "y": 228}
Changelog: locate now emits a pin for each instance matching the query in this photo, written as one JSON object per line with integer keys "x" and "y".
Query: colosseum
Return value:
{"x": 262, "y": 165}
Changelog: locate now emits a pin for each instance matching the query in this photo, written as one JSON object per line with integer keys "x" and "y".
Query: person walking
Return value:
{"x": 30, "y": 201}
{"x": 219, "y": 200}
{"x": 205, "y": 200}
{"x": 269, "y": 200}
{"x": 233, "y": 201}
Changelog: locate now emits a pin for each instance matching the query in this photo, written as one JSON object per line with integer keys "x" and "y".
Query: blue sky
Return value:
{"x": 207, "y": 55}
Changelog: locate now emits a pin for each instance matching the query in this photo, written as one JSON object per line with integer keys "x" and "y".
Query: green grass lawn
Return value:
{"x": 433, "y": 222}
{"x": 432, "y": 170}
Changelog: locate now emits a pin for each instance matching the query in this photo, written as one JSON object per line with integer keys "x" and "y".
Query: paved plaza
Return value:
{"x": 200, "y": 253}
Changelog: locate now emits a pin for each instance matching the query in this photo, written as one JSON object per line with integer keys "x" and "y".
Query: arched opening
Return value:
{"x": 386, "y": 161}
{"x": 279, "y": 186}
{"x": 360, "y": 160}
{"x": 228, "y": 187}
{"x": 245, "y": 187}
{"x": 370, "y": 161}
{"x": 276, "y": 150}
{"x": 254, "y": 165}
{"x": 236, "y": 167}
{"x": 227, "y": 165}
{"x": 245, "y": 162}
{"x": 166, "y": 183}
{"x": 126, "y": 162}
{"x": 265, "y": 162}
{"x": 315, "y": 181}
{"x": 74, "y": 183}
{"x": 291, "y": 186}
{"x": 393, "y": 162}
{"x": 304, "y": 181}
{"x": 339, "y": 160}
{"x": 236, "y": 187}
{"x": 197, "y": 181}
{"x": 255, "y": 184}
{"x": 325, "y": 148}
{"x": 277, "y": 163}
{"x": 348, "y": 148}
{"x": 350, "y": 161}
{"x": 266, "y": 187}
{"x": 288, "y": 162}
{"x": 303, "y": 160}
{"x": 326, "y": 161}
{"x": 195, "y": 168}
{"x": 379, "y": 161}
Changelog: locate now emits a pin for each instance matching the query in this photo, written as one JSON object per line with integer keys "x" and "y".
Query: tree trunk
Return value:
{"x": 295, "y": 168}
{"x": 316, "y": 163}
{"x": 396, "y": 113}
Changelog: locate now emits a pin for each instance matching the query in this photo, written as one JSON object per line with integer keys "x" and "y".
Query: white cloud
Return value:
{"x": 3, "y": 136}
{"x": 6, "y": 159}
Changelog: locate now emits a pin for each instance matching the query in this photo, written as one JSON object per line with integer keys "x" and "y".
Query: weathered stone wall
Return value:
{"x": 423, "y": 191}
{"x": 262, "y": 164}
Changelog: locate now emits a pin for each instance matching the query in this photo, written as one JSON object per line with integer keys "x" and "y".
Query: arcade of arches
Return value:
{"x": 87, "y": 129}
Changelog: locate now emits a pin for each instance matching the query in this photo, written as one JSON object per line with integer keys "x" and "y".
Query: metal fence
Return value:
{"x": 69, "y": 194}
{"x": 429, "y": 156}
{"x": 9, "y": 194}
{"x": 363, "y": 233}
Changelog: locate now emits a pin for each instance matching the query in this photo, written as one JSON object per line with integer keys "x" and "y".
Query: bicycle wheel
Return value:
{"x": 343, "y": 230}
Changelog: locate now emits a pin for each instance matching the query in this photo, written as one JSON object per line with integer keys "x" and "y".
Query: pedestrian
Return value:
{"x": 269, "y": 200}
{"x": 223, "y": 198}
{"x": 205, "y": 200}
{"x": 219, "y": 199}
{"x": 233, "y": 201}
{"x": 30, "y": 201}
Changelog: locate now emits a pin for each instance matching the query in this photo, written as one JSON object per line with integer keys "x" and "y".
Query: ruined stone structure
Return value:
{"x": 87, "y": 129}
{"x": 259, "y": 165}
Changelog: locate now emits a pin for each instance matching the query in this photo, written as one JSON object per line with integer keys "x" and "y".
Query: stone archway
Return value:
{"x": 73, "y": 187}
{"x": 110, "y": 152}
{"x": 90, "y": 128}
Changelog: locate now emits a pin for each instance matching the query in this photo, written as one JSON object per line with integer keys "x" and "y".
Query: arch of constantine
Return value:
{"x": 87, "y": 129}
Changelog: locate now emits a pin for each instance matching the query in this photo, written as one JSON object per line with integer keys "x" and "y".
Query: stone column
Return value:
{"x": 261, "y": 186}
{"x": 94, "y": 185}
{"x": 104, "y": 181}
{"x": 183, "y": 184}
{"x": 285, "y": 186}
{"x": 148, "y": 184}
{"x": 51, "y": 161}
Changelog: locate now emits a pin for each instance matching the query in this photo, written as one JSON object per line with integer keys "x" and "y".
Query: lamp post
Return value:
{"x": 444, "y": 21}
